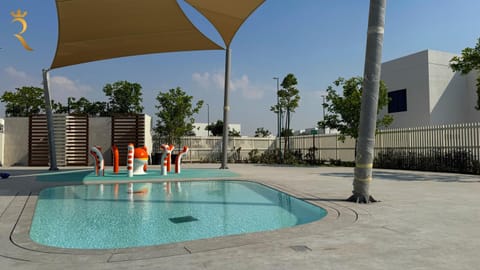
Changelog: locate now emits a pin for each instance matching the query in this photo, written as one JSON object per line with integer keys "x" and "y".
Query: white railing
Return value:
{"x": 426, "y": 139}
{"x": 433, "y": 140}
{"x": 209, "y": 149}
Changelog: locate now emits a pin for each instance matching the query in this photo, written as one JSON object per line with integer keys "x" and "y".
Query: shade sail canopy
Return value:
{"x": 226, "y": 15}
{"x": 91, "y": 30}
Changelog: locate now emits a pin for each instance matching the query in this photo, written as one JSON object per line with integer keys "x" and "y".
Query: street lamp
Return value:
{"x": 279, "y": 117}
{"x": 323, "y": 102}
{"x": 323, "y": 107}
{"x": 278, "y": 109}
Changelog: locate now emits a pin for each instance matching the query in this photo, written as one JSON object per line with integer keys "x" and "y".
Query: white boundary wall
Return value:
{"x": 15, "y": 139}
{"x": 423, "y": 140}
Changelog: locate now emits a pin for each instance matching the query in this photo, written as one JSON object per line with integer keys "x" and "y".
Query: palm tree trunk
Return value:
{"x": 368, "y": 114}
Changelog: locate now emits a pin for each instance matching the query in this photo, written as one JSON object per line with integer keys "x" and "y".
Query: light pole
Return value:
{"x": 323, "y": 115}
{"x": 279, "y": 118}
{"x": 208, "y": 119}
{"x": 323, "y": 102}
{"x": 278, "y": 108}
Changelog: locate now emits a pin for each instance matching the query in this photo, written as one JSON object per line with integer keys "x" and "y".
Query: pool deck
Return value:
{"x": 425, "y": 220}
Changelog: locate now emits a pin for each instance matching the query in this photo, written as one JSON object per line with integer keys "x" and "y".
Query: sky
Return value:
{"x": 316, "y": 40}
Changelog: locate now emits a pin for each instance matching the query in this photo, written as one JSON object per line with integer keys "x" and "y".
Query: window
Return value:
{"x": 398, "y": 101}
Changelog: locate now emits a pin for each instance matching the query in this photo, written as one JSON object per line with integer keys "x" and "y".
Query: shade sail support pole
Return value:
{"x": 226, "y": 109}
{"x": 51, "y": 132}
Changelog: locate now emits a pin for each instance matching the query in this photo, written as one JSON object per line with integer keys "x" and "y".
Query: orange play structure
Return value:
{"x": 137, "y": 159}
{"x": 115, "y": 158}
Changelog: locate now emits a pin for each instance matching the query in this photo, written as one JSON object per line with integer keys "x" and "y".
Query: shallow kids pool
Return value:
{"x": 107, "y": 216}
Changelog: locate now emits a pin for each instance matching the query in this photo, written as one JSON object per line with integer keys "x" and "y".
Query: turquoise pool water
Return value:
{"x": 89, "y": 177}
{"x": 107, "y": 216}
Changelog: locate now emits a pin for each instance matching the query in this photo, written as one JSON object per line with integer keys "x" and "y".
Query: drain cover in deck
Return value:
{"x": 300, "y": 248}
{"x": 182, "y": 219}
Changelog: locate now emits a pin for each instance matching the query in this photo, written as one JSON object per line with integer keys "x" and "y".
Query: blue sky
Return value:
{"x": 317, "y": 40}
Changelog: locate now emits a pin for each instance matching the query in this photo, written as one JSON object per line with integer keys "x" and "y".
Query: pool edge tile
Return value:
{"x": 149, "y": 253}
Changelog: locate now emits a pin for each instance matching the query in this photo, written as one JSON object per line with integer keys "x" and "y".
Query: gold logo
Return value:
{"x": 19, "y": 17}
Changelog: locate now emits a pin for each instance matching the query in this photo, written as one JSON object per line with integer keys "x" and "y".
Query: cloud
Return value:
{"x": 219, "y": 81}
{"x": 248, "y": 90}
{"x": 209, "y": 80}
{"x": 62, "y": 87}
{"x": 216, "y": 81}
{"x": 16, "y": 78}
{"x": 318, "y": 94}
{"x": 16, "y": 74}
{"x": 202, "y": 79}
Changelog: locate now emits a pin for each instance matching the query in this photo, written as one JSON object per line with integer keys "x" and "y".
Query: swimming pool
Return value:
{"x": 107, "y": 216}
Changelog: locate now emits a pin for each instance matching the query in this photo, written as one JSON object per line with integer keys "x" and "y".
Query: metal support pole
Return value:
{"x": 51, "y": 132}
{"x": 226, "y": 108}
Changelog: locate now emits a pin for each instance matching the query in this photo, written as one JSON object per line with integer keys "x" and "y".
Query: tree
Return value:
{"x": 175, "y": 114}
{"x": 124, "y": 97}
{"x": 58, "y": 107}
{"x": 288, "y": 101}
{"x": 217, "y": 129}
{"x": 26, "y": 101}
{"x": 344, "y": 111}
{"x": 234, "y": 133}
{"x": 98, "y": 108}
{"x": 286, "y": 132}
{"x": 369, "y": 108}
{"x": 470, "y": 60}
{"x": 81, "y": 106}
{"x": 262, "y": 132}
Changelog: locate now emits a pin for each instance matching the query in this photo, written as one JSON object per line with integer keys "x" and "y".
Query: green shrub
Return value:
{"x": 253, "y": 156}
{"x": 434, "y": 159}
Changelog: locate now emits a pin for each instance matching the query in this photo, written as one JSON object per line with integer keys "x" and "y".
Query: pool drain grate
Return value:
{"x": 184, "y": 219}
{"x": 300, "y": 248}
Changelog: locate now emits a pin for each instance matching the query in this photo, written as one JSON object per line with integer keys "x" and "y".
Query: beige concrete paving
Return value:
{"x": 424, "y": 221}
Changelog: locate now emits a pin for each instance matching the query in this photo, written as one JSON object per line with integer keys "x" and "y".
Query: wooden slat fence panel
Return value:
{"x": 76, "y": 145}
{"x": 59, "y": 126}
{"x": 127, "y": 129}
{"x": 38, "y": 141}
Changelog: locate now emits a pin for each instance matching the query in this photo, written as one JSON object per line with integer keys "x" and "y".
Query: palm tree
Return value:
{"x": 368, "y": 113}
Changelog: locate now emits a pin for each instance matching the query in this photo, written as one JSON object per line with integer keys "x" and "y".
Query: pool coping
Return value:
{"x": 153, "y": 175}
{"x": 21, "y": 209}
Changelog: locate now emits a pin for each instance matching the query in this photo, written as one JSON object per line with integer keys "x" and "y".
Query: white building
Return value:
{"x": 200, "y": 131}
{"x": 424, "y": 91}
{"x": 314, "y": 130}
